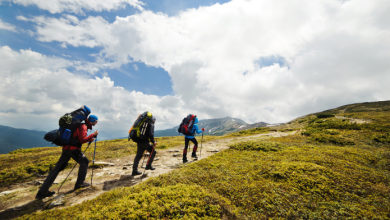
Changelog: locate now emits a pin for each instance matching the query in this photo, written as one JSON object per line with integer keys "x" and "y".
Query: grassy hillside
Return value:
{"x": 336, "y": 167}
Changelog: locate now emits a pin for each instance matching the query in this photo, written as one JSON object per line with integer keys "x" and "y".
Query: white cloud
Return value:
{"x": 36, "y": 90}
{"x": 135, "y": 67}
{"x": 335, "y": 55}
{"x": 80, "y": 6}
{"x": 91, "y": 32}
{"x": 7, "y": 26}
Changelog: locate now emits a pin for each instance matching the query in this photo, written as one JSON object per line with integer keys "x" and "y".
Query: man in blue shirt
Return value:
{"x": 191, "y": 138}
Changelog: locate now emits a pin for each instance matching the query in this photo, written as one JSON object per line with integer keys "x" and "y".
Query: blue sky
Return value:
{"x": 127, "y": 76}
{"x": 256, "y": 60}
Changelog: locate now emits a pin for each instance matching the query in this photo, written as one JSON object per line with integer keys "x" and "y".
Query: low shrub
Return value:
{"x": 324, "y": 115}
{"x": 252, "y": 131}
{"x": 382, "y": 138}
{"x": 326, "y": 138}
{"x": 257, "y": 146}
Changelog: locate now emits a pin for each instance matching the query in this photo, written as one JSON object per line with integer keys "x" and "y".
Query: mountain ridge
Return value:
{"x": 15, "y": 138}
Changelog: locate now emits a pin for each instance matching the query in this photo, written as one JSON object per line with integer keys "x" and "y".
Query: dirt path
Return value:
{"x": 106, "y": 178}
{"x": 354, "y": 120}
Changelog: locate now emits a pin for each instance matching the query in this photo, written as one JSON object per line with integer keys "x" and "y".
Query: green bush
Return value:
{"x": 252, "y": 131}
{"x": 323, "y": 115}
{"x": 257, "y": 146}
{"x": 382, "y": 138}
{"x": 337, "y": 124}
{"x": 326, "y": 138}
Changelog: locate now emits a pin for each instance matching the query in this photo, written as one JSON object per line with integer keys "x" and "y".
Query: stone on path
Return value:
{"x": 128, "y": 164}
{"x": 9, "y": 192}
{"x": 57, "y": 202}
{"x": 175, "y": 155}
{"x": 213, "y": 151}
{"x": 171, "y": 151}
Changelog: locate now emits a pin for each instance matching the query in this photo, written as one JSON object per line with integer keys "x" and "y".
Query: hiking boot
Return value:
{"x": 149, "y": 167}
{"x": 194, "y": 154}
{"x": 136, "y": 172}
{"x": 185, "y": 159}
{"x": 79, "y": 186}
{"x": 44, "y": 195}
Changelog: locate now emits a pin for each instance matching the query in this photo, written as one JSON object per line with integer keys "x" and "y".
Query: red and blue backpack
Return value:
{"x": 187, "y": 125}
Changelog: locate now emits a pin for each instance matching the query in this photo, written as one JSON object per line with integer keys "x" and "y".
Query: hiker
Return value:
{"x": 143, "y": 144}
{"x": 71, "y": 151}
{"x": 191, "y": 138}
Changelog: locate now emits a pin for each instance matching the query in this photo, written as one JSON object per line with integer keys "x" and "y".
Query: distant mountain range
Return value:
{"x": 218, "y": 126}
{"x": 14, "y": 138}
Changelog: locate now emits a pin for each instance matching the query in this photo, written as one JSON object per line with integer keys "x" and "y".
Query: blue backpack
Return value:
{"x": 68, "y": 124}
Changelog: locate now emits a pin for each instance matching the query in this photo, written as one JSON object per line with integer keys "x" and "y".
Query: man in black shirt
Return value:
{"x": 142, "y": 145}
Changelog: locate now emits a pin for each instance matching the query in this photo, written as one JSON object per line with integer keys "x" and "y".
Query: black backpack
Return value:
{"x": 138, "y": 131}
{"x": 68, "y": 124}
{"x": 187, "y": 125}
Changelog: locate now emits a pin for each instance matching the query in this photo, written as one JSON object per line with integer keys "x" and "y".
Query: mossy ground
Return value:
{"x": 331, "y": 169}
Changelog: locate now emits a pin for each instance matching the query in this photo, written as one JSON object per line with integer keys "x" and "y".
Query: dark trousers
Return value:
{"x": 141, "y": 147}
{"x": 186, "y": 142}
{"x": 61, "y": 164}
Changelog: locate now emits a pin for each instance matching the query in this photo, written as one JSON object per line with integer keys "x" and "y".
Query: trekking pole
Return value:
{"x": 93, "y": 163}
{"x": 150, "y": 156}
{"x": 143, "y": 160}
{"x": 201, "y": 146}
{"x": 71, "y": 170}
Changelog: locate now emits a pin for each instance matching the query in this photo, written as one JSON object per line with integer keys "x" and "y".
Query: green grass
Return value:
{"x": 171, "y": 202}
{"x": 278, "y": 179}
{"x": 26, "y": 164}
{"x": 332, "y": 169}
{"x": 253, "y": 131}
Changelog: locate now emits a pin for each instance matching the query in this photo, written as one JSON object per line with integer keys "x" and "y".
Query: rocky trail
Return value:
{"x": 107, "y": 175}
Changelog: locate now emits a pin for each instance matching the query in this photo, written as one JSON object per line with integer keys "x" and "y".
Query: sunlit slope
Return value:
{"x": 335, "y": 167}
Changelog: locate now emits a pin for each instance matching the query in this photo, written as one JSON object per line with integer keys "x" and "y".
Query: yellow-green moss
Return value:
{"x": 317, "y": 175}
{"x": 171, "y": 202}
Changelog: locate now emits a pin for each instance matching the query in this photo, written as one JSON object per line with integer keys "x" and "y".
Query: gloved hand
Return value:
{"x": 96, "y": 133}
{"x": 202, "y": 129}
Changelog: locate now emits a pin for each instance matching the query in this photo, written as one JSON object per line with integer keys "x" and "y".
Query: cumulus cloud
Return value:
{"x": 36, "y": 90}
{"x": 79, "y": 6}
{"x": 6, "y": 26}
{"x": 255, "y": 60}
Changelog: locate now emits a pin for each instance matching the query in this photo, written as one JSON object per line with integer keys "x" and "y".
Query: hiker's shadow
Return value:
{"x": 33, "y": 206}
{"x": 124, "y": 180}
